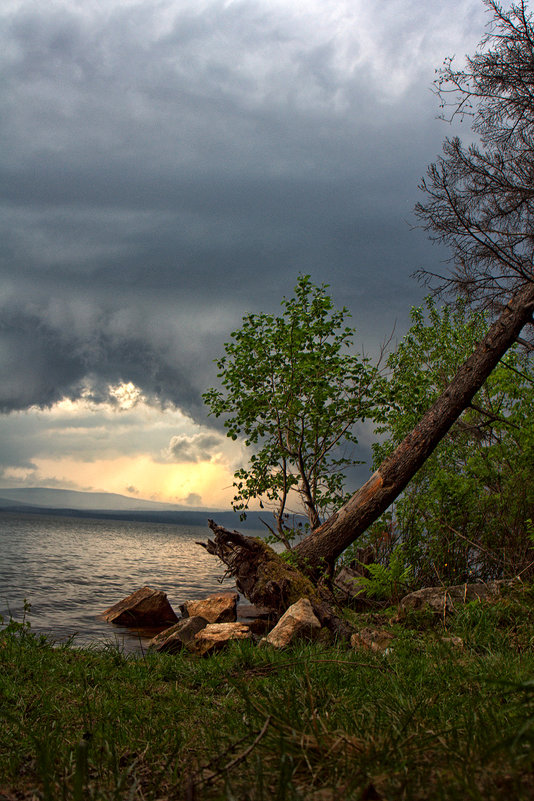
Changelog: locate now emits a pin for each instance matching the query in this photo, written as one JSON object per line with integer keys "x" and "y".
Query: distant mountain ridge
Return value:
{"x": 112, "y": 506}
{"x": 84, "y": 501}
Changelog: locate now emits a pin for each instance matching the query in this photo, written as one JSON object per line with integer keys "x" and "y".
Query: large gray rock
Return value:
{"x": 221, "y": 607}
{"x": 446, "y": 599}
{"x": 143, "y": 608}
{"x": 297, "y": 622}
{"x": 179, "y": 636}
{"x": 216, "y": 636}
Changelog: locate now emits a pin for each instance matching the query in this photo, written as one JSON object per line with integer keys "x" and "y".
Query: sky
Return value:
{"x": 168, "y": 166}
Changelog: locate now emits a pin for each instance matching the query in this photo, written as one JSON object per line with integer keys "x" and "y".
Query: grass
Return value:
{"x": 429, "y": 719}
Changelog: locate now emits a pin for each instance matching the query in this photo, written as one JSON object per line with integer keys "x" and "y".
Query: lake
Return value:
{"x": 71, "y": 569}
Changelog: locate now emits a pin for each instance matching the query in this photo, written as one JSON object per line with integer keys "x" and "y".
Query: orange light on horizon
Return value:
{"x": 158, "y": 481}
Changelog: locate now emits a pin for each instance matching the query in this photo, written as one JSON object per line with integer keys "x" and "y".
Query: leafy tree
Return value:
{"x": 292, "y": 387}
{"x": 465, "y": 513}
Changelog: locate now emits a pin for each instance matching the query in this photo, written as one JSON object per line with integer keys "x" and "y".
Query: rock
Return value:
{"x": 259, "y": 619}
{"x": 144, "y": 607}
{"x": 220, "y": 607}
{"x": 372, "y": 640}
{"x": 346, "y": 582}
{"x": 216, "y": 636}
{"x": 297, "y": 622}
{"x": 446, "y": 599}
{"x": 178, "y": 636}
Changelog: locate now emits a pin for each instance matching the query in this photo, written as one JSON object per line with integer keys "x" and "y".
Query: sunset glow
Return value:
{"x": 126, "y": 445}
{"x": 209, "y": 483}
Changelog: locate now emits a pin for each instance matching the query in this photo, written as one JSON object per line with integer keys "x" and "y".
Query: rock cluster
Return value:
{"x": 209, "y": 624}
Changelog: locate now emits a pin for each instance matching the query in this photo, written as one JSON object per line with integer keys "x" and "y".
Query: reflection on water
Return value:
{"x": 71, "y": 569}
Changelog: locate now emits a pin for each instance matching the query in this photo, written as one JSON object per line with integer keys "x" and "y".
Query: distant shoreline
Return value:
{"x": 227, "y": 519}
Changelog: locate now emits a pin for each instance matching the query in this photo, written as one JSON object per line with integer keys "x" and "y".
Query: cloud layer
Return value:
{"x": 167, "y": 167}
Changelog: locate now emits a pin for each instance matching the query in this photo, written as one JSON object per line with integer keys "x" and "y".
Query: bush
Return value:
{"x": 465, "y": 515}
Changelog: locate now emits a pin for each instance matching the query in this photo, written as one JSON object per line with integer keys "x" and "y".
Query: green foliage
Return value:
{"x": 18, "y": 627}
{"x": 464, "y": 515}
{"x": 294, "y": 391}
{"x": 387, "y": 582}
{"x": 428, "y": 720}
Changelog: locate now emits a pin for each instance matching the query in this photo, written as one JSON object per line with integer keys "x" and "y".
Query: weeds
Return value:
{"x": 427, "y": 720}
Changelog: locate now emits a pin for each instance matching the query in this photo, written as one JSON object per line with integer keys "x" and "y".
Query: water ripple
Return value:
{"x": 71, "y": 569}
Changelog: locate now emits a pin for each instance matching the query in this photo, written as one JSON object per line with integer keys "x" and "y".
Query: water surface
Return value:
{"x": 71, "y": 569}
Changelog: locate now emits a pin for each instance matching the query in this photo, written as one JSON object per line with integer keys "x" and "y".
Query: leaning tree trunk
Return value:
{"x": 317, "y": 553}
{"x": 322, "y": 547}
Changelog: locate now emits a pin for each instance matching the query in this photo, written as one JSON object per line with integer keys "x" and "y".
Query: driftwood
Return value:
{"x": 266, "y": 579}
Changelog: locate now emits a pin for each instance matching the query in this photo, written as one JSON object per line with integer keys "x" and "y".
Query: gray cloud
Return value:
{"x": 49, "y": 353}
{"x": 165, "y": 169}
{"x": 196, "y": 448}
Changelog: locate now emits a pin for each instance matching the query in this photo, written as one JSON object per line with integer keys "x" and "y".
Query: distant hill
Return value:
{"x": 111, "y": 506}
{"x": 5, "y": 503}
{"x": 71, "y": 499}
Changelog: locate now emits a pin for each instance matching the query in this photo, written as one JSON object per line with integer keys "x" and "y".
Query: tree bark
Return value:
{"x": 319, "y": 550}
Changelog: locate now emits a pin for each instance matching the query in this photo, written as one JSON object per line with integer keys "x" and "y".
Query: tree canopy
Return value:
{"x": 465, "y": 514}
{"x": 293, "y": 387}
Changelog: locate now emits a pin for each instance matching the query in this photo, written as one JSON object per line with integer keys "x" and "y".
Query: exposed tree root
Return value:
{"x": 268, "y": 580}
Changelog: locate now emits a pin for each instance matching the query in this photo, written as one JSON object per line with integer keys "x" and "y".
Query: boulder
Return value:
{"x": 179, "y": 636}
{"x": 299, "y": 621}
{"x": 375, "y": 640}
{"x": 144, "y": 607}
{"x": 446, "y": 599}
{"x": 216, "y": 636}
{"x": 220, "y": 607}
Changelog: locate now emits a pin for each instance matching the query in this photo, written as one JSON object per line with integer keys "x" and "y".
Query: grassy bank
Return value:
{"x": 428, "y": 719}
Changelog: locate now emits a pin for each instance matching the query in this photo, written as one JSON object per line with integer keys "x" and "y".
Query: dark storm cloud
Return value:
{"x": 166, "y": 168}
{"x": 57, "y": 355}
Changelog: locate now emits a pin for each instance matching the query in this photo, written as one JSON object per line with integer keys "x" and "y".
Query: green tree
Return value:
{"x": 464, "y": 514}
{"x": 292, "y": 387}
